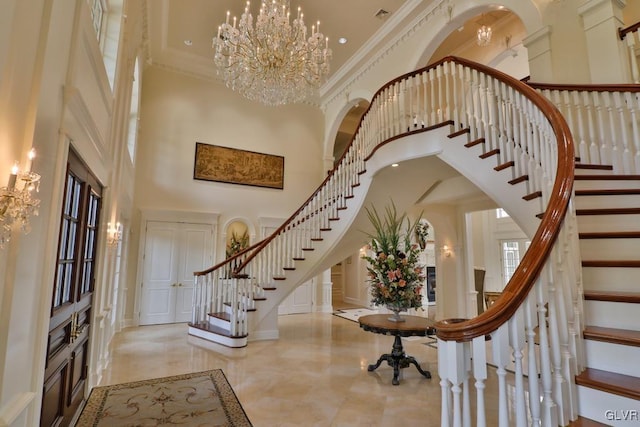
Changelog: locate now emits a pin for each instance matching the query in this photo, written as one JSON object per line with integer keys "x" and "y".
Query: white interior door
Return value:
{"x": 195, "y": 255}
{"x": 173, "y": 251}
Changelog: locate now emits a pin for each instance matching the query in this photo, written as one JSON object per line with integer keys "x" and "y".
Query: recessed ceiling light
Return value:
{"x": 342, "y": 40}
{"x": 188, "y": 42}
{"x": 395, "y": 165}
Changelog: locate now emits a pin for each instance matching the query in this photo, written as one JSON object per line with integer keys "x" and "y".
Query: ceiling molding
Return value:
{"x": 420, "y": 20}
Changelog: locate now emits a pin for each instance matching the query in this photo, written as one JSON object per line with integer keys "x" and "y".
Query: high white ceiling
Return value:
{"x": 172, "y": 22}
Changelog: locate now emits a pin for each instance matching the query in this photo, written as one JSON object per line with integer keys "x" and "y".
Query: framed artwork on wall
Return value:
{"x": 233, "y": 166}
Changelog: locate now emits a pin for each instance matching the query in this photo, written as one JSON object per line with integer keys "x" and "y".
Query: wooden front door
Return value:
{"x": 172, "y": 252}
{"x": 68, "y": 340}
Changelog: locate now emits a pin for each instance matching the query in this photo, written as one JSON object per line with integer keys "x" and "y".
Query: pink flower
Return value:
{"x": 402, "y": 283}
{"x": 391, "y": 275}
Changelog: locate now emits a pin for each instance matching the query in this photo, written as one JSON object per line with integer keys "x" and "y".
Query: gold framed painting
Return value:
{"x": 234, "y": 166}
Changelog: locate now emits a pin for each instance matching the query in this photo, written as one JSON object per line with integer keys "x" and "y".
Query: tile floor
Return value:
{"x": 315, "y": 374}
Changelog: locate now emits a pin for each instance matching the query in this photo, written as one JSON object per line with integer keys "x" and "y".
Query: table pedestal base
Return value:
{"x": 397, "y": 360}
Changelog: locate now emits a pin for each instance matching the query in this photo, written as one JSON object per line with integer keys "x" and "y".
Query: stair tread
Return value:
{"x": 608, "y": 192}
{"x": 587, "y": 177}
{"x": 519, "y": 179}
{"x": 610, "y": 235}
{"x": 215, "y": 329}
{"x": 586, "y": 422}
{"x": 615, "y": 296}
{"x": 613, "y": 335}
{"x": 610, "y": 382}
{"x": 608, "y": 211}
{"x": 221, "y": 315}
{"x": 611, "y": 263}
{"x": 490, "y": 153}
{"x": 593, "y": 166}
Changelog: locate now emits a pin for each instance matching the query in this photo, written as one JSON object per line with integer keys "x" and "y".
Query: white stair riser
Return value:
{"x": 610, "y": 249}
{"x": 606, "y": 184}
{"x": 220, "y": 339}
{"x": 612, "y": 314}
{"x": 608, "y": 201}
{"x": 220, "y": 323}
{"x": 610, "y": 279}
{"x": 599, "y": 356}
{"x": 604, "y": 223}
{"x": 607, "y": 408}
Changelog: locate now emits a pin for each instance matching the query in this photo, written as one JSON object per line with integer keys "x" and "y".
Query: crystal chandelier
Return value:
{"x": 17, "y": 203}
{"x": 484, "y": 35}
{"x": 273, "y": 62}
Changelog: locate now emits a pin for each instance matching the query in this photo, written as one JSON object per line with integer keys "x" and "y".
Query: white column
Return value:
{"x": 607, "y": 55}
{"x": 323, "y": 292}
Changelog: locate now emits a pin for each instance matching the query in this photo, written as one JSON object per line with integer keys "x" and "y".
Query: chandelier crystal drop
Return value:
{"x": 274, "y": 61}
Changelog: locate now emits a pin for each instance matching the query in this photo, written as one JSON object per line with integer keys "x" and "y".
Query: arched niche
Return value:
{"x": 237, "y": 237}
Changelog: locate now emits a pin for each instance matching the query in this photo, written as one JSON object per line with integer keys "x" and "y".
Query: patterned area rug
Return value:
{"x": 197, "y": 399}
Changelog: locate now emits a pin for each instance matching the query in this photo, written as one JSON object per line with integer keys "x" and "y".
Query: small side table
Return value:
{"x": 397, "y": 359}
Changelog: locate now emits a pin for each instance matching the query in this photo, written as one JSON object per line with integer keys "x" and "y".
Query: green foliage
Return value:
{"x": 237, "y": 244}
{"x": 395, "y": 276}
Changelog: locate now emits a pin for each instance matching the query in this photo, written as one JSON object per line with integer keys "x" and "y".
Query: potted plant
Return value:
{"x": 395, "y": 276}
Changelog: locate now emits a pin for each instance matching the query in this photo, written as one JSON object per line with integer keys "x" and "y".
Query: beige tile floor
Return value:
{"x": 315, "y": 374}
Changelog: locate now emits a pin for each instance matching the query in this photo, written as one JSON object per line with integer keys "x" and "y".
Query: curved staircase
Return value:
{"x": 513, "y": 141}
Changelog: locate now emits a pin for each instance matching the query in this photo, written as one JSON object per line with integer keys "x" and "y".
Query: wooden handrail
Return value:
{"x": 337, "y": 164}
{"x": 542, "y": 243}
{"x": 622, "y": 32}
{"x": 622, "y": 87}
{"x": 534, "y": 259}
{"x": 226, "y": 261}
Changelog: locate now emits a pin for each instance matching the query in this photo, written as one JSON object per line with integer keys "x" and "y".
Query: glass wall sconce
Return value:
{"x": 114, "y": 234}
{"x": 17, "y": 203}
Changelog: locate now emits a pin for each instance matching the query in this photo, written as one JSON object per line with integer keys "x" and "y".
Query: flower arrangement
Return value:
{"x": 422, "y": 231}
{"x": 237, "y": 244}
{"x": 395, "y": 276}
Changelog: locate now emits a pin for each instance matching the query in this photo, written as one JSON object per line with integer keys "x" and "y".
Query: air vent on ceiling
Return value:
{"x": 382, "y": 14}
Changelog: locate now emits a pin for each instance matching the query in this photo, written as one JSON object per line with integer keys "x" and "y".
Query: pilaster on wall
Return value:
{"x": 608, "y": 60}
{"x": 538, "y": 46}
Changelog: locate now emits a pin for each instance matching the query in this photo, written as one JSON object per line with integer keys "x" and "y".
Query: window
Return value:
{"x": 501, "y": 213}
{"x": 97, "y": 12}
{"x": 511, "y": 254}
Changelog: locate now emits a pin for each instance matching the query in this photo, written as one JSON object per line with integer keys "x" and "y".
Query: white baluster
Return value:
{"x": 615, "y": 151}
{"x": 579, "y": 132}
{"x": 600, "y": 106}
{"x": 532, "y": 368}
{"x": 445, "y": 387}
{"x": 632, "y": 103}
{"x": 594, "y": 149}
{"x": 500, "y": 349}
{"x": 633, "y": 59}
{"x": 516, "y": 340}
{"x": 480, "y": 374}
{"x": 559, "y": 383}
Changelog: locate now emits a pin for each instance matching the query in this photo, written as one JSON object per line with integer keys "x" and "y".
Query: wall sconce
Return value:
{"x": 446, "y": 250}
{"x": 114, "y": 234}
{"x": 17, "y": 204}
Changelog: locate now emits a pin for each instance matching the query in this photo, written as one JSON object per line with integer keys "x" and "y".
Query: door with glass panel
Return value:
{"x": 71, "y": 307}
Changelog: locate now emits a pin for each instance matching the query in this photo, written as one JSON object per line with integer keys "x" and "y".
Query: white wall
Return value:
{"x": 177, "y": 111}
